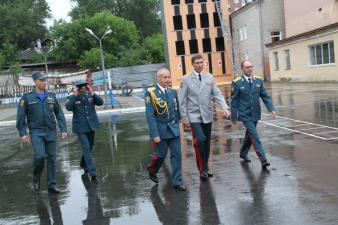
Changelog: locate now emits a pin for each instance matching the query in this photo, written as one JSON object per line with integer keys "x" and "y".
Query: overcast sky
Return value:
{"x": 59, "y": 10}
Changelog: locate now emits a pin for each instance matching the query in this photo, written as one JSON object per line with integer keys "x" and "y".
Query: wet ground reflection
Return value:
{"x": 300, "y": 188}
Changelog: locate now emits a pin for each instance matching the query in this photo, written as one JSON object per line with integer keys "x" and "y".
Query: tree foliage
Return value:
{"x": 154, "y": 48}
{"x": 144, "y": 13}
{"x": 75, "y": 43}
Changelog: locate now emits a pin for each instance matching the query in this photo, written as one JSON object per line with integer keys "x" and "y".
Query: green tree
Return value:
{"x": 75, "y": 42}
{"x": 92, "y": 60}
{"x": 154, "y": 48}
{"x": 15, "y": 70}
{"x": 135, "y": 55}
{"x": 144, "y": 13}
{"x": 23, "y": 21}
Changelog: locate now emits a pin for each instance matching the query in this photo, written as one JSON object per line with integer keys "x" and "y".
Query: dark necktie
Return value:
{"x": 199, "y": 77}
{"x": 249, "y": 79}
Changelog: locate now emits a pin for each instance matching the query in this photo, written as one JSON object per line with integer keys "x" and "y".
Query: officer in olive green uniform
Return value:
{"x": 38, "y": 110}
{"x": 82, "y": 102}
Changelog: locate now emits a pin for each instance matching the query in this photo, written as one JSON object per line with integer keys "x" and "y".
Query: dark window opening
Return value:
{"x": 217, "y": 22}
{"x": 189, "y": 1}
{"x": 178, "y": 23}
{"x": 193, "y": 45}
{"x": 180, "y": 48}
{"x": 206, "y": 44}
{"x": 191, "y": 21}
{"x": 175, "y": 2}
{"x": 220, "y": 44}
{"x": 204, "y": 20}
{"x": 200, "y": 1}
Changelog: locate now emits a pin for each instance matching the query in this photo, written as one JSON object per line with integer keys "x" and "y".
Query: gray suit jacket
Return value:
{"x": 195, "y": 98}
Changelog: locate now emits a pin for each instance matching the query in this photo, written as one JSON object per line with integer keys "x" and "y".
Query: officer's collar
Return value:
{"x": 36, "y": 93}
{"x": 161, "y": 88}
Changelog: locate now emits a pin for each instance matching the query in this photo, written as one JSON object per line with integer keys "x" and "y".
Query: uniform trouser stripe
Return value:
{"x": 199, "y": 160}
{"x": 252, "y": 135}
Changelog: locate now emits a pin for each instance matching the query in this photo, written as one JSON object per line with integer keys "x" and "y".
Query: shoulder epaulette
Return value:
{"x": 258, "y": 77}
{"x": 237, "y": 79}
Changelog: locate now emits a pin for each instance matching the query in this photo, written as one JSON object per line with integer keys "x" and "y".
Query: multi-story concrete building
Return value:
{"x": 309, "y": 52}
{"x": 192, "y": 27}
{"x": 234, "y": 5}
{"x": 258, "y": 23}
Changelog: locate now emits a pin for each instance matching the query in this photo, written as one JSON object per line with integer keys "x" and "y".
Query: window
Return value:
{"x": 178, "y": 22}
{"x": 220, "y": 44}
{"x": 322, "y": 53}
{"x": 204, "y": 20}
{"x": 191, "y": 21}
{"x": 189, "y": 1}
{"x": 193, "y": 44}
{"x": 275, "y": 36}
{"x": 217, "y": 22}
{"x": 275, "y": 56}
{"x": 202, "y": 1}
{"x": 206, "y": 44}
{"x": 180, "y": 48}
{"x": 287, "y": 59}
{"x": 242, "y": 33}
{"x": 175, "y": 2}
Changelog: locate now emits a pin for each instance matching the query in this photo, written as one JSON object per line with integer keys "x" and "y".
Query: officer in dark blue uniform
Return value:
{"x": 163, "y": 117}
{"x": 245, "y": 107}
{"x": 37, "y": 110}
{"x": 82, "y": 102}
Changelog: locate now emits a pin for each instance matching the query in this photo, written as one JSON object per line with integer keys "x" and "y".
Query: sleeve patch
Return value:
{"x": 147, "y": 99}
{"x": 22, "y": 103}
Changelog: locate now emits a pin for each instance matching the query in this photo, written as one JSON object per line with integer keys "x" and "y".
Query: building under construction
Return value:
{"x": 197, "y": 27}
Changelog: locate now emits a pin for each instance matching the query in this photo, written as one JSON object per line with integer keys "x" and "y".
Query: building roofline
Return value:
{"x": 243, "y": 7}
{"x": 302, "y": 35}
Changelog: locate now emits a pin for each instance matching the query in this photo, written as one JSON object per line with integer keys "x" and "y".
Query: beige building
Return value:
{"x": 309, "y": 51}
{"x": 192, "y": 27}
{"x": 309, "y": 56}
{"x": 305, "y": 15}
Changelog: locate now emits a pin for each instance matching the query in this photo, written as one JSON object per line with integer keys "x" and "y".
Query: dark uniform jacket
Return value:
{"x": 39, "y": 116}
{"x": 163, "y": 113}
{"x": 84, "y": 114}
{"x": 245, "y": 104}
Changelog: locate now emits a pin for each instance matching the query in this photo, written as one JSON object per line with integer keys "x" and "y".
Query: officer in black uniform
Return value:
{"x": 82, "y": 102}
{"x": 38, "y": 110}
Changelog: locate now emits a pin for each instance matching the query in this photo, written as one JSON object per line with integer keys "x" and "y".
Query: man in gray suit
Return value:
{"x": 195, "y": 98}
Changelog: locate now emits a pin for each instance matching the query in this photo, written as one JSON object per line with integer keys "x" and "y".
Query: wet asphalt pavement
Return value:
{"x": 301, "y": 186}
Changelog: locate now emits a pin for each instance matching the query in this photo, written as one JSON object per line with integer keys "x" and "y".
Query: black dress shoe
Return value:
{"x": 265, "y": 164}
{"x": 180, "y": 187}
{"x": 245, "y": 159}
{"x": 210, "y": 174}
{"x": 53, "y": 190}
{"x": 152, "y": 176}
{"x": 93, "y": 178}
{"x": 36, "y": 184}
{"x": 204, "y": 176}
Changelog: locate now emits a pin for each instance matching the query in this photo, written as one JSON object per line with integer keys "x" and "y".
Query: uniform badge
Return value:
{"x": 22, "y": 103}
{"x": 90, "y": 100}
{"x": 77, "y": 102}
{"x": 147, "y": 99}
{"x": 258, "y": 85}
{"x": 241, "y": 88}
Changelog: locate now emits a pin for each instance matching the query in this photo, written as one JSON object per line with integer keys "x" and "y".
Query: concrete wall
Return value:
{"x": 301, "y": 70}
{"x": 306, "y": 15}
{"x": 260, "y": 19}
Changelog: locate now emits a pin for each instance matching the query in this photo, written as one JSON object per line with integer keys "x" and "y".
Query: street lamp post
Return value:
{"x": 44, "y": 51}
{"x": 108, "y": 31}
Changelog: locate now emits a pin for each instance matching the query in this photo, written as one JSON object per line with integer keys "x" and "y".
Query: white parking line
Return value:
{"x": 333, "y": 131}
{"x": 303, "y": 123}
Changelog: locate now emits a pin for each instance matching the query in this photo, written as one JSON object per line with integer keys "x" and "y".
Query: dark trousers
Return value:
{"x": 87, "y": 143}
{"x": 43, "y": 148}
{"x": 252, "y": 138}
{"x": 201, "y": 133}
{"x": 161, "y": 150}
